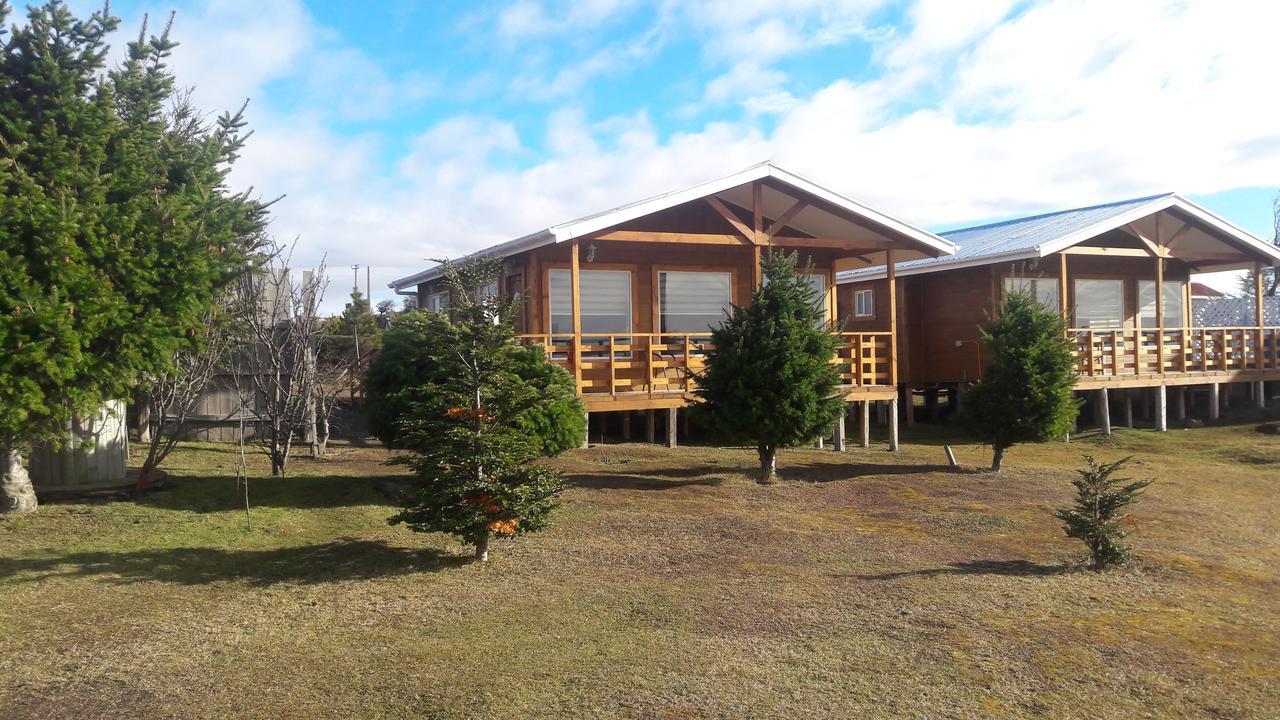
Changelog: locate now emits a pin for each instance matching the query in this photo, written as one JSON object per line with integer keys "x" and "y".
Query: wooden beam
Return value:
{"x": 757, "y": 274}
{"x": 668, "y": 237}
{"x": 837, "y": 243}
{"x": 1110, "y": 251}
{"x": 1259, "y": 309}
{"x": 891, "y": 275}
{"x": 1178, "y": 234}
{"x": 714, "y": 202}
{"x": 785, "y": 218}
{"x": 1063, "y": 278}
{"x": 1152, "y": 247}
{"x": 575, "y": 296}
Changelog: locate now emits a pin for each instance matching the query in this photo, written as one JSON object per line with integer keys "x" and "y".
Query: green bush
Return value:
{"x": 1096, "y": 517}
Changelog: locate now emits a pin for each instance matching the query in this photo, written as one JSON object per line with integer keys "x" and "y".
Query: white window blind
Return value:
{"x": 606, "y": 301}
{"x": 690, "y": 302}
{"x": 864, "y": 303}
{"x": 819, "y": 284}
{"x": 1100, "y": 303}
{"x": 1173, "y": 303}
{"x": 1043, "y": 290}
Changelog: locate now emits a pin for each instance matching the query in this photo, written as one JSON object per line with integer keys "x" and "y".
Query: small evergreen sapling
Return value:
{"x": 770, "y": 380}
{"x": 466, "y": 427}
{"x": 1096, "y": 516}
{"x": 1025, "y": 394}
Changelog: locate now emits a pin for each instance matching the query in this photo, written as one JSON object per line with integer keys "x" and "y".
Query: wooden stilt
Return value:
{"x": 586, "y": 433}
{"x": 1104, "y": 411}
{"x": 1128, "y": 409}
{"x": 893, "y": 425}
{"x": 1215, "y": 400}
{"x": 864, "y": 427}
{"x": 1259, "y": 394}
{"x": 838, "y": 432}
{"x": 650, "y": 421}
{"x": 684, "y": 423}
{"x": 1180, "y": 404}
{"x": 1162, "y": 409}
{"x": 907, "y": 404}
{"x": 673, "y": 421}
{"x": 626, "y": 426}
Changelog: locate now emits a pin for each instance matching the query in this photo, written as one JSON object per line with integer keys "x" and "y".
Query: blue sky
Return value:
{"x": 401, "y": 131}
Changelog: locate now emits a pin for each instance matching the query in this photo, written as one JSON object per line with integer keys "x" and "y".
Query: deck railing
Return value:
{"x": 662, "y": 363}
{"x": 1133, "y": 351}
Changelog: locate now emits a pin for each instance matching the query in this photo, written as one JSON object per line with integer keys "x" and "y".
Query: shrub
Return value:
{"x": 1096, "y": 516}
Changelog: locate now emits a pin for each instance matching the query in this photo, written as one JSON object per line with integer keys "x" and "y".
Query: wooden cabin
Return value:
{"x": 1119, "y": 273}
{"x": 623, "y": 299}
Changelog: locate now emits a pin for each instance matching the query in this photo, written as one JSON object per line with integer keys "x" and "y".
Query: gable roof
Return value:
{"x": 1038, "y": 236}
{"x": 928, "y": 243}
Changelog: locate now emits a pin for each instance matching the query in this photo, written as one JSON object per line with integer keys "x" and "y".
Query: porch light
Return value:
{"x": 591, "y": 252}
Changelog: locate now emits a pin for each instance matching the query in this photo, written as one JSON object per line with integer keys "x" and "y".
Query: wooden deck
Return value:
{"x": 641, "y": 371}
{"x": 1184, "y": 356}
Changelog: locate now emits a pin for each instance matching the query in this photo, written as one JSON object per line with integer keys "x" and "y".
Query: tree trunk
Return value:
{"x": 17, "y": 496}
{"x": 768, "y": 464}
{"x": 482, "y": 548}
{"x": 997, "y": 459}
{"x": 144, "y": 421}
{"x": 277, "y": 463}
{"x": 322, "y": 439}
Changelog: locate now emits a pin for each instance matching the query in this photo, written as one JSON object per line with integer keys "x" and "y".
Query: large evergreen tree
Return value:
{"x": 770, "y": 381}
{"x": 1025, "y": 394}
{"x": 466, "y": 425}
{"x": 117, "y": 232}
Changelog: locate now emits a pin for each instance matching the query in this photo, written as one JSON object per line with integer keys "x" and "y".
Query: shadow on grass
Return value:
{"x": 340, "y": 560}
{"x": 832, "y": 471}
{"x": 217, "y": 494}
{"x": 655, "y": 480}
{"x": 1017, "y": 568}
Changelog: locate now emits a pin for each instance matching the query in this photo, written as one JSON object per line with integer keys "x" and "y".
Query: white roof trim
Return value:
{"x": 1054, "y": 246}
{"x": 609, "y": 218}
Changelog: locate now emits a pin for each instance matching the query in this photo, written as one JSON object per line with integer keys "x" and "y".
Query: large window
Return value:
{"x": 438, "y": 301}
{"x": 1174, "y": 315}
{"x": 819, "y": 284}
{"x": 691, "y": 302}
{"x": 1043, "y": 290}
{"x": 1099, "y": 303}
{"x": 864, "y": 303}
{"x": 606, "y": 301}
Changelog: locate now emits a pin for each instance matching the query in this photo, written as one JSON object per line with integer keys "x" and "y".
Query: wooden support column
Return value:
{"x": 626, "y": 426}
{"x": 1159, "y": 309}
{"x": 1162, "y": 409}
{"x": 891, "y": 275}
{"x": 820, "y": 443}
{"x": 839, "y": 430}
{"x": 893, "y": 425}
{"x": 907, "y": 403}
{"x": 586, "y": 431}
{"x": 864, "y": 426}
{"x": 650, "y": 421}
{"x": 1104, "y": 411}
{"x": 576, "y": 298}
{"x": 1260, "y": 394}
{"x": 673, "y": 419}
{"x": 1215, "y": 401}
{"x": 1062, "y": 290}
{"x": 1128, "y": 409}
{"x": 757, "y": 216}
{"x": 1180, "y": 404}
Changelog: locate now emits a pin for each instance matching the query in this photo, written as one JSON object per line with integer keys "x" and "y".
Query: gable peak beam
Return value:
{"x": 748, "y": 235}
{"x": 1152, "y": 247}
{"x": 757, "y": 212}
{"x": 785, "y": 218}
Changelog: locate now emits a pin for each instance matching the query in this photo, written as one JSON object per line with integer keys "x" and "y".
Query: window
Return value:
{"x": 606, "y": 301}
{"x": 1043, "y": 290}
{"x": 692, "y": 302}
{"x": 1174, "y": 316}
{"x": 1100, "y": 303}
{"x": 864, "y": 303}
{"x": 438, "y": 301}
{"x": 489, "y": 291}
{"x": 819, "y": 283}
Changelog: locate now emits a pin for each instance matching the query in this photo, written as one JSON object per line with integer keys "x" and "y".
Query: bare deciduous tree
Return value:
{"x": 276, "y": 377}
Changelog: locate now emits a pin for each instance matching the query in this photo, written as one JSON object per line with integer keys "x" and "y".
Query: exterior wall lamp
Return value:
{"x": 977, "y": 345}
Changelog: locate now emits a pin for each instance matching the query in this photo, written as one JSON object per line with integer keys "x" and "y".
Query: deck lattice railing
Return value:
{"x": 1130, "y": 351}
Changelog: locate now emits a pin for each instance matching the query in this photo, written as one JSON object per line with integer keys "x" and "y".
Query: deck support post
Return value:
{"x": 1260, "y": 394}
{"x": 893, "y": 425}
{"x": 1180, "y": 404}
{"x": 1162, "y": 409}
{"x": 907, "y": 404}
{"x": 820, "y": 443}
{"x": 881, "y": 413}
{"x": 586, "y": 431}
{"x": 650, "y": 421}
{"x": 838, "y": 432}
{"x": 864, "y": 427}
{"x": 1104, "y": 411}
{"x": 1226, "y": 396}
{"x": 673, "y": 419}
{"x": 626, "y": 426}
{"x": 1128, "y": 409}
{"x": 1215, "y": 406}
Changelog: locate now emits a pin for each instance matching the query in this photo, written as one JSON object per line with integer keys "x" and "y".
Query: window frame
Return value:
{"x": 597, "y": 267}
{"x": 442, "y": 306}
{"x": 1125, "y": 315}
{"x": 658, "y": 270}
{"x": 1139, "y": 317}
{"x": 870, "y": 294}
{"x": 1005, "y": 290}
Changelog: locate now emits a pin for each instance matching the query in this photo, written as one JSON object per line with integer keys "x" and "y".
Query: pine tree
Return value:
{"x": 117, "y": 233}
{"x": 1025, "y": 394}
{"x": 1096, "y": 517}
{"x": 770, "y": 381}
{"x": 466, "y": 425}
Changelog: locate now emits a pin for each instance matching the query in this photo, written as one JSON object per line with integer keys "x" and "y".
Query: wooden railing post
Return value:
{"x": 688, "y": 365}
{"x": 613, "y": 382}
{"x": 576, "y": 297}
{"x": 892, "y": 276}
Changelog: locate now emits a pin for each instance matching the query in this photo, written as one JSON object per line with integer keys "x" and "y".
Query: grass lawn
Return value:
{"x": 670, "y": 586}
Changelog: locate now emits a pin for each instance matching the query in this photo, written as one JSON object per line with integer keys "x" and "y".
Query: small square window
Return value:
{"x": 864, "y": 303}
